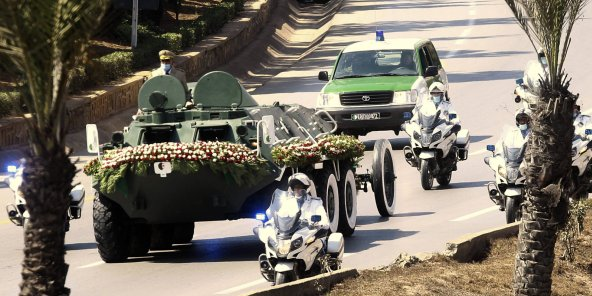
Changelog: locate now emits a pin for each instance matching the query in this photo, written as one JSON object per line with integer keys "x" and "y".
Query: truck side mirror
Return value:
{"x": 491, "y": 148}
{"x": 92, "y": 138}
{"x": 324, "y": 76}
{"x": 315, "y": 218}
{"x": 431, "y": 71}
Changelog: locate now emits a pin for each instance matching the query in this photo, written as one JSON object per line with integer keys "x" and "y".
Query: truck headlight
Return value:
{"x": 326, "y": 100}
{"x": 405, "y": 97}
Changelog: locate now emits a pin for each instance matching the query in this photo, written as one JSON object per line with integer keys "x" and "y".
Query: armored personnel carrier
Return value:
{"x": 139, "y": 207}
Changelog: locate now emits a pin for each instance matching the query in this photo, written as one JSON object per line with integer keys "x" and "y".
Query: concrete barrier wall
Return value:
{"x": 106, "y": 101}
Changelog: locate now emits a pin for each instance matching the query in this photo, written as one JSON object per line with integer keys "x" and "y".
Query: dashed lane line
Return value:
{"x": 95, "y": 264}
{"x": 242, "y": 287}
{"x": 475, "y": 214}
{"x": 478, "y": 152}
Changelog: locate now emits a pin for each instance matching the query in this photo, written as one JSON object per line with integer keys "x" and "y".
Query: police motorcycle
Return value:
{"x": 436, "y": 144}
{"x": 581, "y": 154}
{"x": 294, "y": 246}
{"x": 17, "y": 212}
{"x": 507, "y": 191}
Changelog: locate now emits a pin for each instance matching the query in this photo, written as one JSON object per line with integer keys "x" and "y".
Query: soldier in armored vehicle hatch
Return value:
{"x": 167, "y": 68}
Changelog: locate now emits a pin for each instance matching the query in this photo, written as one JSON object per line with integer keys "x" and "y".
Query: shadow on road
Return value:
{"x": 366, "y": 239}
{"x": 241, "y": 248}
{"x": 80, "y": 246}
{"x": 462, "y": 185}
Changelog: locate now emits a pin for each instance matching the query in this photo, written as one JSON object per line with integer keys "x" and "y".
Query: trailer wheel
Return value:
{"x": 328, "y": 191}
{"x": 139, "y": 243}
{"x": 383, "y": 178}
{"x": 111, "y": 228}
{"x": 183, "y": 233}
{"x": 348, "y": 203}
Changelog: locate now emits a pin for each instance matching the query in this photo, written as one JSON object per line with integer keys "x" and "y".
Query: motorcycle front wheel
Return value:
{"x": 427, "y": 179}
{"x": 284, "y": 277}
{"x": 512, "y": 207}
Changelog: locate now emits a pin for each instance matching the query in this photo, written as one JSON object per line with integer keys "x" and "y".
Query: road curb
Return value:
{"x": 474, "y": 246}
{"x": 310, "y": 286}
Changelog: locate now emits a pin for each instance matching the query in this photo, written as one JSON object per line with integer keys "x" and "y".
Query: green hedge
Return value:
{"x": 8, "y": 103}
{"x": 116, "y": 65}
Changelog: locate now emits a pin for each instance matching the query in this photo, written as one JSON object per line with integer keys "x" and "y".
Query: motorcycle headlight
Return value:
{"x": 328, "y": 100}
{"x": 502, "y": 171}
{"x": 284, "y": 247}
{"x": 272, "y": 244}
{"x": 296, "y": 244}
{"x": 405, "y": 97}
{"x": 436, "y": 136}
{"x": 416, "y": 136}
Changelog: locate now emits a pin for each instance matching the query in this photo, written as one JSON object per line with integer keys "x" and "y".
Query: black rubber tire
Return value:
{"x": 444, "y": 180}
{"x": 427, "y": 179}
{"x": 347, "y": 203}
{"x": 183, "y": 233}
{"x": 512, "y": 210}
{"x": 283, "y": 277}
{"x": 162, "y": 236}
{"x": 139, "y": 243}
{"x": 383, "y": 170}
{"x": 328, "y": 190}
{"x": 111, "y": 228}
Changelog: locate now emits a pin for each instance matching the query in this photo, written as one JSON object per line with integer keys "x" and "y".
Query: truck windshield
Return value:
{"x": 392, "y": 62}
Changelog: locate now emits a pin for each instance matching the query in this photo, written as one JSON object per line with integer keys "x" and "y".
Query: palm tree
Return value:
{"x": 45, "y": 40}
{"x": 548, "y": 24}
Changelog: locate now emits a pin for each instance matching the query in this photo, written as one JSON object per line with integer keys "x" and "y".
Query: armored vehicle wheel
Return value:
{"x": 445, "y": 179}
{"x": 512, "y": 210}
{"x": 427, "y": 178}
{"x": 183, "y": 233}
{"x": 112, "y": 231}
{"x": 348, "y": 203}
{"x": 328, "y": 191}
{"x": 162, "y": 236}
{"x": 384, "y": 178}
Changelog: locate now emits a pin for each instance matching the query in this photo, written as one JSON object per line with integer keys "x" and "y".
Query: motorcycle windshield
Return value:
{"x": 429, "y": 116}
{"x": 514, "y": 156}
{"x": 285, "y": 212}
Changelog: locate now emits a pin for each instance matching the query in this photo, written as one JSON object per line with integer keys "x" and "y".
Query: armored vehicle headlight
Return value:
{"x": 242, "y": 131}
{"x": 117, "y": 138}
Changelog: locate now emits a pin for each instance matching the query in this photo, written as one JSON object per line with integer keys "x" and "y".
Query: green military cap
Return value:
{"x": 166, "y": 54}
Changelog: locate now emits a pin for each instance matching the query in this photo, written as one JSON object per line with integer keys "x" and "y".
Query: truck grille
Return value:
{"x": 366, "y": 98}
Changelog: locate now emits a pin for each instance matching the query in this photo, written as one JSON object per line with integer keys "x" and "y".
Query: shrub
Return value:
{"x": 116, "y": 65}
{"x": 9, "y": 102}
{"x": 174, "y": 41}
{"x": 188, "y": 35}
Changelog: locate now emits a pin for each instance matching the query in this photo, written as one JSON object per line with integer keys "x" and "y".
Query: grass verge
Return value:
{"x": 492, "y": 276}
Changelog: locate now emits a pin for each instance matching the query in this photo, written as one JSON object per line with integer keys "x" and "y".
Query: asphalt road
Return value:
{"x": 483, "y": 50}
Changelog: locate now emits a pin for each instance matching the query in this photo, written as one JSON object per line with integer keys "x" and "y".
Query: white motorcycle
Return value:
{"x": 581, "y": 155}
{"x": 295, "y": 248}
{"x": 17, "y": 212}
{"x": 436, "y": 145}
{"x": 508, "y": 189}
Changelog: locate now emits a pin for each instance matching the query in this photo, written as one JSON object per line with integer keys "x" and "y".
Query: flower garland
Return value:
{"x": 236, "y": 160}
{"x": 303, "y": 153}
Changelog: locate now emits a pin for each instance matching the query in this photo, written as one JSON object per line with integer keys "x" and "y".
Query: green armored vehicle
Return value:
{"x": 220, "y": 160}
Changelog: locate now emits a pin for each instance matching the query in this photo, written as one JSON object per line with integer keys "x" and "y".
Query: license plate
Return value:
{"x": 365, "y": 116}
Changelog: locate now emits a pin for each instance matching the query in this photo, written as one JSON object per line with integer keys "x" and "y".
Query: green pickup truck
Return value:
{"x": 374, "y": 83}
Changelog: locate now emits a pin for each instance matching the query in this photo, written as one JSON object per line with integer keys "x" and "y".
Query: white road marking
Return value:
{"x": 91, "y": 265}
{"x": 345, "y": 255}
{"x": 476, "y": 214}
{"x": 466, "y": 32}
{"x": 472, "y": 12}
{"x": 242, "y": 287}
{"x": 478, "y": 152}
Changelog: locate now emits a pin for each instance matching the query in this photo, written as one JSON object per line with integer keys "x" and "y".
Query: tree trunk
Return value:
{"x": 548, "y": 164}
{"x": 46, "y": 187}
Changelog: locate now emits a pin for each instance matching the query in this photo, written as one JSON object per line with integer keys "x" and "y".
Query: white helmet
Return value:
{"x": 522, "y": 113}
{"x": 437, "y": 87}
{"x": 299, "y": 179}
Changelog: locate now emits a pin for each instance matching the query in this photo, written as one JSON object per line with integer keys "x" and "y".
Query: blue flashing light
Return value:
{"x": 588, "y": 131}
{"x": 491, "y": 148}
{"x": 379, "y": 35}
{"x": 11, "y": 168}
{"x": 520, "y": 81}
{"x": 260, "y": 216}
{"x": 406, "y": 115}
